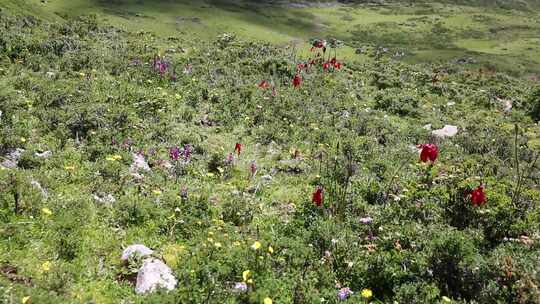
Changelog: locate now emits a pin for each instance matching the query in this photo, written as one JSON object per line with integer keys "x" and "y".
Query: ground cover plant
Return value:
{"x": 258, "y": 173}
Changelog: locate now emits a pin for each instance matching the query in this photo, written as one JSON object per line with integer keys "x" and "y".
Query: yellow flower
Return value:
{"x": 23, "y": 140}
{"x": 210, "y": 174}
{"x": 46, "y": 211}
{"x": 157, "y": 192}
{"x": 270, "y": 249}
{"x": 46, "y": 266}
{"x": 267, "y": 300}
{"x": 236, "y": 243}
{"x": 446, "y": 299}
{"x": 26, "y": 300}
{"x": 217, "y": 244}
{"x": 256, "y": 245}
{"x": 246, "y": 275}
{"x": 69, "y": 168}
{"x": 367, "y": 293}
{"x": 110, "y": 158}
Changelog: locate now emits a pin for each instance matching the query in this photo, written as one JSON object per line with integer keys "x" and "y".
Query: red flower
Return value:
{"x": 478, "y": 197}
{"x": 297, "y": 81}
{"x": 319, "y": 44}
{"x": 317, "y": 197}
{"x": 333, "y": 61}
{"x": 337, "y": 65}
{"x": 429, "y": 152}
{"x": 264, "y": 84}
{"x": 326, "y": 65}
{"x": 301, "y": 66}
{"x": 238, "y": 148}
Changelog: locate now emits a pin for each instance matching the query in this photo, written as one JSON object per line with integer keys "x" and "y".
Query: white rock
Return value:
{"x": 45, "y": 154}
{"x": 450, "y": 103}
{"x": 447, "y": 131}
{"x": 139, "y": 249}
{"x": 105, "y": 199}
{"x": 38, "y": 186}
{"x": 139, "y": 163}
{"x": 12, "y": 159}
{"x": 266, "y": 178}
{"x": 154, "y": 274}
{"x": 427, "y": 127}
{"x": 506, "y": 104}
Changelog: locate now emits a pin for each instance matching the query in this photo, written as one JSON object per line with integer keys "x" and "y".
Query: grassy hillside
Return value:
{"x": 492, "y": 36}
{"x": 112, "y": 136}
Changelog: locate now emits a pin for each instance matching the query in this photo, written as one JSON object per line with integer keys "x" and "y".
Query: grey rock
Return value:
{"x": 154, "y": 275}
{"x": 446, "y": 131}
{"x": 45, "y": 154}
{"x": 139, "y": 164}
{"x": 12, "y": 159}
{"x": 137, "y": 249}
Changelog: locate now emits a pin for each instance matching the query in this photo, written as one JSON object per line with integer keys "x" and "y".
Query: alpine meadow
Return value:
{"x": 278, "y": 151}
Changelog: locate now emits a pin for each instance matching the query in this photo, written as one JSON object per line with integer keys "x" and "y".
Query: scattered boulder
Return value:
{"x": 138, "y": 249}
{"x": 506, "y": 104}
{"x": 139, "y": 164}
{"x": 12, "y": 159}
{"x": 38, "y": 186}
{"x": 104, "y": 198}
{"x": 446, "y": 131}
{"x": 266, "y": 178}
{"x": 154, "y": 274}
{"x": 45, "y": 154}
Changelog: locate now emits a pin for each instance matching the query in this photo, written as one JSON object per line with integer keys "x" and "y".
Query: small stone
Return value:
{"x": 154, "y": 274}
{"x": 38, "y": 186}
{"x": 427, "y": 127}
{"x": 139, "y": 164}
{"x": 104, "y": 199}
{"x": 45, "y": 154}
{"x": 447, "y": 131}
{"x": 138, "y": 249}
{"x": 12, "y": 159}
{"x": 266, "y": 178}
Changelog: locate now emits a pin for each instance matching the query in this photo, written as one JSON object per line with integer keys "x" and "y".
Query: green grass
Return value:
{"x": 80, "y": 88}
{"x": 416, "y": 29}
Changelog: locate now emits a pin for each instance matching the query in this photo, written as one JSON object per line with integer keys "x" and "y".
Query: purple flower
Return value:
{"x": 114, "y": 142}
{"x": 344, "y": 293}
{"x": 184, "y": 193}
{"x": 240, "y": 286}
{"x": 253, "y": 167}
{"x": 188, "y": 150}
{"x": 229, "y": 159}
{"x": 174, "y": 153}
{"x": 366, "y": 220}
{"x": 160, "y": 65}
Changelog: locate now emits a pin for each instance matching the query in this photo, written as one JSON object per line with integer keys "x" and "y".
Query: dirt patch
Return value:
{"x": 11, "y": 273}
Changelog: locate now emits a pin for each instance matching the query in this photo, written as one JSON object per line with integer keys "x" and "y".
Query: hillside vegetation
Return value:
{"x": 259, "y": 173}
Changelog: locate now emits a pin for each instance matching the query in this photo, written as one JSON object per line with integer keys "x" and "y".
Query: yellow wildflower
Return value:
{"x": 217, "y": 244}
{"x": 46, "y": 211}
{"x": 267, "y": 300}
{"x": 367, "y": 293}
{"x": 256, "y": 245}
{"x": 46, "y": 266}
{"x": 23, "y": 140}
{"x": 69, "y": 168}
{"x": 446, "y": 299}
{"x": 246, "y": 275}
{"x": 26, "y": 300}
{"x": 270, "y": 249}
{"x": 157, "y": 192}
